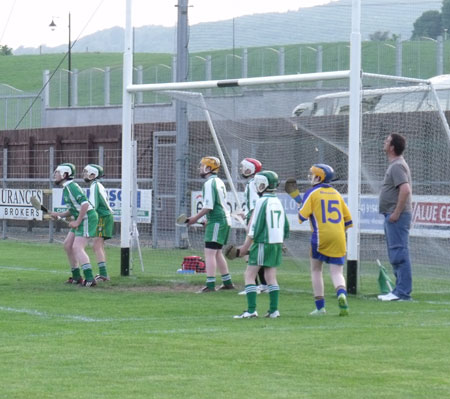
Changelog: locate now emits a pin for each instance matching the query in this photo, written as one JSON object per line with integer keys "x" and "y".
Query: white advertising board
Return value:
{"x": 430, "y": 215}
{"x": 15, "y": 204}
{"x": 144, "y": 203}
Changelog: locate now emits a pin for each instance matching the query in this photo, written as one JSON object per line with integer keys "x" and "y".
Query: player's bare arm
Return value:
{"x": 57, "y": 215}
{"x": 83, "y": 210}
{"x": 195, "y": 218}
{"x": 246, "y": 246}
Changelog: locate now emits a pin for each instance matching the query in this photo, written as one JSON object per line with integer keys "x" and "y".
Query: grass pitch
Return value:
{"x": 149, "y": 336}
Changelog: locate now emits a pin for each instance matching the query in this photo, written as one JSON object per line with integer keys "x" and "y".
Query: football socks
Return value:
{"x": 102, "y": 269}
{"x": 250, "y": 291}
{"x": 274, "y": 293}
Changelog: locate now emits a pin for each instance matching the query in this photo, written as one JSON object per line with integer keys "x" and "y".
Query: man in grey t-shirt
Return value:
{"x": 395, "y": 205}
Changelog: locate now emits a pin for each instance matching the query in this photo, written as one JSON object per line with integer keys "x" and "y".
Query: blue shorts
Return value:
{"x": 315, "y": 254}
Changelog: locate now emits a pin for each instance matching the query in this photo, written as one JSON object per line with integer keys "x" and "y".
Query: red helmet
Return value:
{"x": 250, "y": 166}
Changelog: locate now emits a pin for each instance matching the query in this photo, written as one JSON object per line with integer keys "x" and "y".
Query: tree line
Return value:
{"x": 433, "y": 23}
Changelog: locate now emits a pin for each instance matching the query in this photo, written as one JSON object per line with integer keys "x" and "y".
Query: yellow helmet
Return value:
{"x": 323, "y": 172}
{"x": 212, "y": 162}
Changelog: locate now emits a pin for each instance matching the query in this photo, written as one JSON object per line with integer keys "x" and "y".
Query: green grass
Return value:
{"x": 25, "y": 72}
{"x": 150, "y": 336}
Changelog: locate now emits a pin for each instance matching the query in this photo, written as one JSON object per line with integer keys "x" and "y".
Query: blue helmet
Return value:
{"x": 324, "y": 172}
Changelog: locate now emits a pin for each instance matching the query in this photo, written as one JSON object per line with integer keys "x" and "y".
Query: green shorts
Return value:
{"x": 105, "y": 227}
{"x": 217, "y": 232}
{"x": 88, "y": 226}
{"x": 269, "y": 255}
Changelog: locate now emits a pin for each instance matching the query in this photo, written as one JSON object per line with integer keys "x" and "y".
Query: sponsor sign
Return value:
{"x": 144, "y": 203}
{"x": 197, "y": 206}
{"x": 15, "y": 204}
{"x": 430, "y": 214}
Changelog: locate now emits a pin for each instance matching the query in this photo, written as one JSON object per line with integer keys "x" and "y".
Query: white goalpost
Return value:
{"x": 126, "y": 232}
{"x": 344, "y": 119}
{"x": 320, "y": 137}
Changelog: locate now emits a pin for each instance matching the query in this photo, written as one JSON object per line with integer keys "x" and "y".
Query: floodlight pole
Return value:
{"x": 354, "y": 148}
{"x": 69, "y": 67}
{"x": 69, "y": 60}
{"x": 182, "y": 125}
{"x": 127, "y": 164}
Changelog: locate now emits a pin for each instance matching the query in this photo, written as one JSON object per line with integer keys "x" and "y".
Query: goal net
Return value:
{"x": 289, "y": 127}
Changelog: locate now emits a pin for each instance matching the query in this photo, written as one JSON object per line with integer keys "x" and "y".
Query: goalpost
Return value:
{"x": 253, "y": 117}
{"x": 256, "y": 121}
{"x": 126, "y": 226}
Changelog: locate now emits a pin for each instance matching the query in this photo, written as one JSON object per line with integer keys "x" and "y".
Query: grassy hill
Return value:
{"x": 25, "y": 72}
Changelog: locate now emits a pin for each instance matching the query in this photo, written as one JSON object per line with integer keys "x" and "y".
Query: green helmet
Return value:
{"x": 68, "y": 168}
{"x": 266, "y": 181}
{"x": 94, "y": 169}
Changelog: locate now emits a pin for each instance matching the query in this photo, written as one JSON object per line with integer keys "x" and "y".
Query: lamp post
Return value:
{"x": 69, "y": 60}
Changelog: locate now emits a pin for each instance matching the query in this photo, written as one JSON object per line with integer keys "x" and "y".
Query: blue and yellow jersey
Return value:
{"x": 329, "y": 218}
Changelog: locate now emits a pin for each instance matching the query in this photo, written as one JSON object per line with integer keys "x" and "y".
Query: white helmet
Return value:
{"x": 266, "y": 181}
{"x": 93, "y": 169}
{"x": 68, "y": 168}
{"x": 250, "y": 166}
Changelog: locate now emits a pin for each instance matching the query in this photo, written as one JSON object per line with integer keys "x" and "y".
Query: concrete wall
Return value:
{"x": 255, "y": 103}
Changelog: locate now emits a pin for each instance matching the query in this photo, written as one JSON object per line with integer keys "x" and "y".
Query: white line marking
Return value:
{"x": 31, "y": 269}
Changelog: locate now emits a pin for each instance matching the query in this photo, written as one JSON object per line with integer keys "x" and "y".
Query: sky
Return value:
{"x": 26, "y": 22}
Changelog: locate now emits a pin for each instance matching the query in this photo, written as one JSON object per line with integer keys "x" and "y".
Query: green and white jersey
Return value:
{"x": 99, "y": 199}
{"x": 269, "y": 224}
{"x": 74, "y": 197}
{"x": 251, "y": 196}
{"x": 215, "y": 198}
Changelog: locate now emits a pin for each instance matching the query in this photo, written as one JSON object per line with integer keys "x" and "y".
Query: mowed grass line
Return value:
{"x": 151, "y": 337}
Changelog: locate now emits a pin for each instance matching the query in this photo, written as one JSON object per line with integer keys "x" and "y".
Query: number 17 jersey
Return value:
{"x": 269, "y": 223}
{"x": 329, "y": 218}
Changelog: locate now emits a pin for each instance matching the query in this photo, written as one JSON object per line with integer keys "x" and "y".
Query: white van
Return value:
{"x": 392, "y": 99}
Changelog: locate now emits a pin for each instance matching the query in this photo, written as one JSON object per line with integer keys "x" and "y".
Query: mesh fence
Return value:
{"x": 261, "y": 123}
{"x": 289, "y": 143}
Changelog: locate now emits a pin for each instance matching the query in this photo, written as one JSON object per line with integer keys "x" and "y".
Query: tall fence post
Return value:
{"x": 281, "y": 62}
{"x": 208, "y": 72}
{"x": 398, "y": 56}
{"x": 46, "y": 85}
{"x": 101, "y": 155}
{"x": 244, "y": 71}
{"x": 139, "y": 80}
{"x": 74, "y": 88}
{"x": 300, "y": 59}
{"x": 319, "y": 63}
{"x": 107, "y": 85}
{"x": 174, "y": 68}
{"x": 440, "y": 56}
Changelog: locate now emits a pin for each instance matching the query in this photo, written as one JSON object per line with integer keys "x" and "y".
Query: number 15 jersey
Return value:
{"x": 329, "y": 218}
